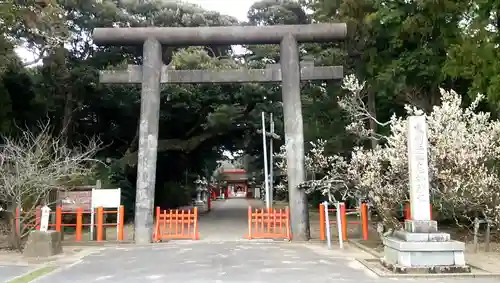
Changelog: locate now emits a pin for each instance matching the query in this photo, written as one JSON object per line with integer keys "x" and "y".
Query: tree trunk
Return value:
{"x": 14, "y": 240}
{"x": 62, "y": 87}
{"x": 68, "y": 114}
{"x": 372, "y": 110}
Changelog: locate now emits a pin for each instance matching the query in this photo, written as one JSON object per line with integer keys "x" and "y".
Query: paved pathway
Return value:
{"x": 210, "y": 262}
{"x": 223, "y": 262}
{"x": 223, "y": 256}
{"x": 228, "y": 220}
{"x": 8, "y": 272}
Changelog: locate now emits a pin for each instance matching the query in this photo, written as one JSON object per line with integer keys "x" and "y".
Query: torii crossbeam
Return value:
{"x": 152, "y": 73}
{"x": 133, "y": 75}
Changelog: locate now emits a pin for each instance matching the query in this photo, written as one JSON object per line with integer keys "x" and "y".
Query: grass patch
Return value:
{"x": 28, "y": 277}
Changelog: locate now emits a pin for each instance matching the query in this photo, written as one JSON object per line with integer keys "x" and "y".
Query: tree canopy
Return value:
{"x": 405, "y": 51}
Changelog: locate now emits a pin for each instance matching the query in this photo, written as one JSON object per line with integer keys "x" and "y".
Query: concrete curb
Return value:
{"x": 365, "y": 248}
{"x": 30, "y": 275}
{"x": 68, "y": 263}
{"x": 383, "y": 274}
{"x": 54, "y": 260}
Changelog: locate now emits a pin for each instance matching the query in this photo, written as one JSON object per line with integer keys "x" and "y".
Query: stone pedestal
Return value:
{"x": 257, "y": 193}
{"x": 43, "y": 244}
{"x": 420, "y": 248}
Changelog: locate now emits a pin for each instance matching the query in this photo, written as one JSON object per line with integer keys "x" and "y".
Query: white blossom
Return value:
{"x": 464, "y": 152}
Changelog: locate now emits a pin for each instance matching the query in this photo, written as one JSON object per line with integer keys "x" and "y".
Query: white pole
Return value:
{"x": 264, "y": 148}
{"x": 327, "y": 225}
{"x": 118, "y": 214}
{"x": 92, "y": 215}
{"x": 339, "y": 224}
{"x": 271, "y": 159}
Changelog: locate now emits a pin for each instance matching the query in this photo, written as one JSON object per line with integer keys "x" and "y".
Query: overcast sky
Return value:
{"x": 235, "y": 8}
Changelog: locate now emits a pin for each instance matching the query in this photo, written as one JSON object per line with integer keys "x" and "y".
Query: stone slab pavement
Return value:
{"x": 8, "y": 272}
{"x": 228, "y": 219}
{"x": 224, "y": 256}
{"x": 223, "y": 262}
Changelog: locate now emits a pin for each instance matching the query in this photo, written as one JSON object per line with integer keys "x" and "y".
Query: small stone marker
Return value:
{"x": 42, "y": 244}
{"x": 419, "y": 168}
{"x": 44, "y": 221}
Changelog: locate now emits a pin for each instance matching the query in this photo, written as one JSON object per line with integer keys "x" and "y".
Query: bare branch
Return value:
{"x": 35, "y": 164}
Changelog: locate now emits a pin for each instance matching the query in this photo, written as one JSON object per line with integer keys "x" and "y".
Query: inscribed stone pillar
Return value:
{"x": 418, "y": 168}
{"x": 148, "y": 141}
{"x": 294, "y": 137}
{"x": 421, "y": 248}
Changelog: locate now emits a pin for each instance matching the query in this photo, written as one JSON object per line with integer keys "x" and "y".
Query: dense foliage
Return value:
{"x": 464, "y": 154}
{"x": 404, "y": 51}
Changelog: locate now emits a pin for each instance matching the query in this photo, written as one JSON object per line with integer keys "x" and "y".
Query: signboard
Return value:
{"x": 234, "y": 175}
{"x": 44, "y": 222}
{"x": 90, "y": 199}
{"x": 71, "y": 200}
{"x": 107, "y": 198}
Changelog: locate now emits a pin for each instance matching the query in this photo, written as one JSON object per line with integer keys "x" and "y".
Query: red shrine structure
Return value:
{"x": 234, "y": 184}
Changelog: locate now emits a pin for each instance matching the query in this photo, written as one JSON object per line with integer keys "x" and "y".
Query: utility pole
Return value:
{"x": 271, "y": 158}
{"x": 264, "y": 148}
{"x": 269, "y": 175}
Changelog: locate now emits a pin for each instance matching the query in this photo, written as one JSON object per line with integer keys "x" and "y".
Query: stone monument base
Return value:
{"x": 420, "y": 248}
{"x": 43, "y": 244}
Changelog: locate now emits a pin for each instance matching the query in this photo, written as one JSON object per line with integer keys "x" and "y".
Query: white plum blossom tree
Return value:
{"x": 321, "y": 166}
{"x": 464, "y": 153}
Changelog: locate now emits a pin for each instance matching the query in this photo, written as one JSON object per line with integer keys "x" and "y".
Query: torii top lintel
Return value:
{"x": 220, "y": 35}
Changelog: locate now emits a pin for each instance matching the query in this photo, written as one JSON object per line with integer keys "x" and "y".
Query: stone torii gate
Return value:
{"x": 152, "y": 73}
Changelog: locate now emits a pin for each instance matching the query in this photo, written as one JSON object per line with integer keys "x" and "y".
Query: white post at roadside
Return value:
{"x": 92, "y": 216}
{"x": 98, "y": 185}
{"x": 44, "y": 219}
{"x": 339, "y": 224}
{"x": 266, "y": 172}
{"x": 271, "y": 159}
{"x": 327, "y": 225}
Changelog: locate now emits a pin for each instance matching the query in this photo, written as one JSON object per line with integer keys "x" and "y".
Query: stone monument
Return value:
{"x": 43, "y": 242}
{"x": 420, "y": 247}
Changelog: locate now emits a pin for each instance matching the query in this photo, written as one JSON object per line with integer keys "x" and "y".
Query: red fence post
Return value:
{"x": 100, "y": 223}
{"x": 322, "y": 224}
{"x": 364, "y": 221}
{"x": 287, "y": 224}
{"x": 343, "y": 217}
{"x": 38, "y": 216}
{"x": 79, "y": 224}
{"x": 407, "y": 211}
{"x": 196, "y": 235}
{"x": 249, "y": 223}
{"x": 156, "y": 232}
{"x": 121, "y": 224}
{"x": 59, "y": 219}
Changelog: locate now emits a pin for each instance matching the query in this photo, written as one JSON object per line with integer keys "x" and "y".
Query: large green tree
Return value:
{"x": 404, "y": 50}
